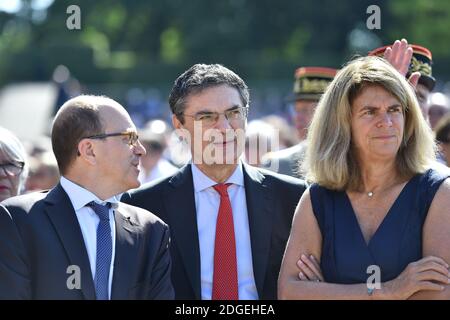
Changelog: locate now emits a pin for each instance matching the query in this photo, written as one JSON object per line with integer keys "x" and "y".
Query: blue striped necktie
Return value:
{"x": 104, "y": 250}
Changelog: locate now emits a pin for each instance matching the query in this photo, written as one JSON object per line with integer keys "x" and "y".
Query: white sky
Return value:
{"x": 13, "y": 6}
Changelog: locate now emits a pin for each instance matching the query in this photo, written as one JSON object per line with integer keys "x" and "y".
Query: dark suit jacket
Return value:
{"x": 40, "y": 238}
{"x": 271, "y": 201}
{"x": 288, "y": 160}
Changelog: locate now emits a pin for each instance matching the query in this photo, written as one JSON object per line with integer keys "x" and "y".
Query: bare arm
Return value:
{"x": 436, "y": 235}
{"x": 306, "y": 238}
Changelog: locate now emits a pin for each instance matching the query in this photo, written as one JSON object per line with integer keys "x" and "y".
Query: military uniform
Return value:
{"x": 421, "y": 61}
{"x": 309, "y": 85}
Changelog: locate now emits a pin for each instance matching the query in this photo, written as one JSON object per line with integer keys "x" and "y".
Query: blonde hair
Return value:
{"x": 330, "y": 160}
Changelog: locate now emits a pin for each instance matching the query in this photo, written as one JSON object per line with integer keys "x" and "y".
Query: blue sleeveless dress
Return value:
{"x": 396, "y": 242}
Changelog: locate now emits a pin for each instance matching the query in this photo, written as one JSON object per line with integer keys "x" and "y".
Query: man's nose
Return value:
{"x": 222, "y": 123}
{"x": 139, "y": 149}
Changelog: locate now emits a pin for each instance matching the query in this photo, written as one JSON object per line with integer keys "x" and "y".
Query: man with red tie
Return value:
{"x": 229, "y": 221}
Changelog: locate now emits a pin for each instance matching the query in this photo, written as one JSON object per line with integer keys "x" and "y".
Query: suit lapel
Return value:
{"x": 182, "y": 218}
{"x": 259, "y": 206}
{"x": 63, "y": 217}
{"x": 126, "y": 247}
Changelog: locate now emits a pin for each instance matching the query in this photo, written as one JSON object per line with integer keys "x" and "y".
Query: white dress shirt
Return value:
{"x": 89, "y": 220}
{"x": 207, "y": 202}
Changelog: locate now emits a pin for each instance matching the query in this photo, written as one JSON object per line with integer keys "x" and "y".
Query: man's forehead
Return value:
{"x": 306, "y": 103}
{"x": 422, "y": 89}
{"x": 222, "y": 97}
{"x": 211, "y": 107}
{"x": 116, "y": 117}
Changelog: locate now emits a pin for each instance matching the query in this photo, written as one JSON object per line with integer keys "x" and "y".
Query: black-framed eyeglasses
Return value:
{"x": 211, "y": 118}
{"x": 131, "y": 135}
{"x": 13, "y": 169}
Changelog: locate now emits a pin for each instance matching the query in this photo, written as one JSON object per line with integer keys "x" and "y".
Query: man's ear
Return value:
{"x": 86, "y": 151}
{"x": 176, "y": 122}
{"x": 180, "y": 130}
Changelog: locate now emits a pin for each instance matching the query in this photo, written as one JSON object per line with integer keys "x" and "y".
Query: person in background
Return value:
{"x": 442, "y": 131}
{"x": 418, "y": 70}
{"x": 439, "y": 106}
{"x": 38, "y": 145}
{"x": 13, "y": 165}
{"x": 375, "y": 199}
{"x": 260, "y": 139}
{"x": 44, "y": 173}
{"x": 153, "y": 164}
{"x": 286, "y": 132}
{"x": 310, "y": 83}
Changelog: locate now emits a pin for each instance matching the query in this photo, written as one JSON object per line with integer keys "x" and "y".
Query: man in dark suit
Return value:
{"x": 229, "y": 221}
{"x": 78, "y": 241}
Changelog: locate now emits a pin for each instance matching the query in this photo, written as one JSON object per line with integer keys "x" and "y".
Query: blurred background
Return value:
{"x": 133, "y": 50}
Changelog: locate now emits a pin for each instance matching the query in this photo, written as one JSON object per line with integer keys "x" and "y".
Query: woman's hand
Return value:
{"x": 429, "y": 273}
{"x": 309, "y": 269}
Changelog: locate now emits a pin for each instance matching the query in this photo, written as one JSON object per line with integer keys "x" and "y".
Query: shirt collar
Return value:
{"x": 202, "y": 181}
{"x": 80, "y": 196}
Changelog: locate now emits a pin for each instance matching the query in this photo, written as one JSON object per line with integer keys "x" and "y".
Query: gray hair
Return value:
{"x": 202, "y": 76}
{"x": 14, "y": 151}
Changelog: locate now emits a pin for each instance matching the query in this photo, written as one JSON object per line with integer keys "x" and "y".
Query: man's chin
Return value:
{"x": 134, "y": 184}
{"x": 223, "y": 161}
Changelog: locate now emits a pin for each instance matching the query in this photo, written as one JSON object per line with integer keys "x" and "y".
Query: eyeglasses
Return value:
{"x": 211, "y": 118}
{"x": 132, "y": 136}
{"x": 13, "y": 169}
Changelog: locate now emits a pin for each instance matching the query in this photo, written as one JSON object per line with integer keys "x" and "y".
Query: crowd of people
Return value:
{"x": 257, "y": 211}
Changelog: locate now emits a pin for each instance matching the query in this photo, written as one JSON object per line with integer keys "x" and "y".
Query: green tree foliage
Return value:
{"x": 150, "y": 42}
{"x": 428, "y": 24}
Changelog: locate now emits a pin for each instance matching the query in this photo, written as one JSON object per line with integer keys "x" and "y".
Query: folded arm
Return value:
{"x": 305, "y": 240}
{"x": 436, "y": 236}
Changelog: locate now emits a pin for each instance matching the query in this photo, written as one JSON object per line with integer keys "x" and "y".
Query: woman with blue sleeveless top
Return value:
{"x": 375, "y": 223}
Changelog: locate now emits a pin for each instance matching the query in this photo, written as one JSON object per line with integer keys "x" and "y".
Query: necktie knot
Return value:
{"x": 101, "y": 210}
{"x": 222, "y": 189}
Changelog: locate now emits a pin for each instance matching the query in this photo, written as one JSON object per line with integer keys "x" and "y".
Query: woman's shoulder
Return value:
{"x": 435, "y": 175}
{"x": 319, "y": 191}
{"x": 429, "y": 183}
{"x": 321, "y": 198}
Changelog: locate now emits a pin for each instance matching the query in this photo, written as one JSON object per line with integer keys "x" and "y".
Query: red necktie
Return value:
{"x": 225, "y": 281}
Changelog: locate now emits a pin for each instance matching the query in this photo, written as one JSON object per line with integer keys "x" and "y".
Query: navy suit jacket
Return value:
{"x": 40, "y": 238}
{"x": 271, "y": 201}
